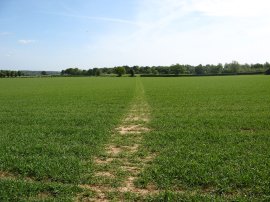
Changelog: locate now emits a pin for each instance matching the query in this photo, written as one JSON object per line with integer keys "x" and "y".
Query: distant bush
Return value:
{"x": 120, "y": 71}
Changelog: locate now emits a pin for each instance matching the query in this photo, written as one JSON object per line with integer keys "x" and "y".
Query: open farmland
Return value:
{"x": 50, "y": 130}
{"x": 153, "y": 139}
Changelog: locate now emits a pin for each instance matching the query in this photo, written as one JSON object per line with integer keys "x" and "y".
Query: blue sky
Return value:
{"x": 57, "y": 34}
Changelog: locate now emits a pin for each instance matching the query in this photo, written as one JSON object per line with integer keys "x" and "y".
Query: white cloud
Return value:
{"x": 106, "y": 19}
{"x": 26, "y": 41}
{"x": 165, "y": 32}
{"x": 189, "y": 31}
{"x": 234, "y": 8}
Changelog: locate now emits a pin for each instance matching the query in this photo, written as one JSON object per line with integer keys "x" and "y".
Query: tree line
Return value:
{"x": 176, "y": 69}
{"x": 9, "y": 73}
{"x": 97, "y": 71}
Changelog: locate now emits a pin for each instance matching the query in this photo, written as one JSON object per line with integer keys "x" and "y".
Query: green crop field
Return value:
{"x": 135, "y": 139}
{"x": 212, "y": 137}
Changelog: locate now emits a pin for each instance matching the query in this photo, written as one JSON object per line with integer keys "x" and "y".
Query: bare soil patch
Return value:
{"x": 5, "y": 174}
{"x": 132, "y": 149}
{"x": 121, "y": 151}
{"x": 105, "y": 174}
{"x": 103, "y": 161}
{"x": 113, "y": 150}
{"x": 44, "y": 195}
{"x": 132, "y": 129}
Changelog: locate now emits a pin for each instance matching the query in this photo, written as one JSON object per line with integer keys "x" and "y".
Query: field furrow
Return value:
{"x": 117, "y": 169}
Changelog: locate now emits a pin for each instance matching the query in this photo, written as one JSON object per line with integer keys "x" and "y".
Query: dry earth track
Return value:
{"x": 119, "y": 167}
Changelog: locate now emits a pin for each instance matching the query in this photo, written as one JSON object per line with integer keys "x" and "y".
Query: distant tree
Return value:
{"x": 95, "y": 72}
{"x": 43, "y": 73}
{"x": 90, "y": 72}
{"x": 2, "y": 74}
{"x": 136, "y": 69}
{"x": 267, "y": 72}
{"x": 245, "y": 68}
{"x": 98, "y": 72}
{"x": 8, "y": 73}
{"x": 215, "y": 69}
{"x": 174, "y": 69}
{"x": 163, "y": 70}
{"x": 105, "y": 70}
{"x": 109, "y": 71}
{"x": 257, "y": 66}
{"x": 11, "y": 73}
{"x": 154, "y": 71}
{"x": 19, "y": 73}
{"x": 147, "y": 70}
{"x": 132, "y": 72}
{"x": 267, "y": 65}
{"x": 182, "y": 69}
{"x": 190, "y": 69}
{"x": 199, "y": 70}
{"x": 77, "y": 71}
{"x": 234, "y": 67}
{"x": 177, "y": 69}
{"x": 84, "y": 72}
{"x": 127, "y": 68}
{"x": 72, "y": 72}
{"x": 120, "y": 71}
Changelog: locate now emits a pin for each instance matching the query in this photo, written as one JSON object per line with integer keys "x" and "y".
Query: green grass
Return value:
{"x": 51, "y": 128}
{"x": 19, "y": 190}
{"x": 212, "y": 136}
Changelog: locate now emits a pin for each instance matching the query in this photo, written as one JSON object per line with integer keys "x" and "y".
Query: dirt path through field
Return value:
{"x": 118, "y": 168}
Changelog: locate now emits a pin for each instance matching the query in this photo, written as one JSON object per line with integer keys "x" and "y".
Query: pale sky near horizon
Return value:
{"x": 58, "y": 34}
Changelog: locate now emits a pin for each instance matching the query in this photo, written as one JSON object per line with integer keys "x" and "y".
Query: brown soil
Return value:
{"x": 113, "y": 150}
{"x": 103, "y": 161}
{"x": 132, "y": 129}
{"x": 43, "y": 196}
{"x": 104, "y": 174}
{"x": 129, "y": 187}
{"x": 4, "y": 174}
{"x": 131, "y": 169}
{"x": 136, "y": 118}
{"x": 134, "y": 123}
{"x": 131, "y": 149}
